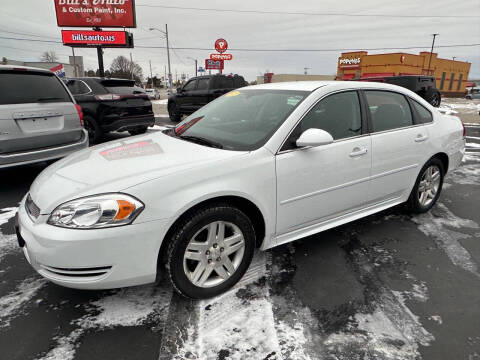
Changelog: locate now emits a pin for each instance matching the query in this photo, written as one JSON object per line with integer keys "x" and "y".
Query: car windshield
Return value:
{"x": 241, "y": 120}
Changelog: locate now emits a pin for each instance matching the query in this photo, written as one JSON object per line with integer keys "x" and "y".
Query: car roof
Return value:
{"x": 313, "y": 85}
{"x": 21, "y": 67}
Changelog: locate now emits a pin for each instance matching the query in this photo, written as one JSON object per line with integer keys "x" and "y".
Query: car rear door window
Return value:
{"x": 388, "y": 110}
{"x": 202, "y": 84}
{"x": 338, "y": 114}
{"x": 18, "y": 87}
{"x": 78, "y": 87}
{"x": 424, "y": 115}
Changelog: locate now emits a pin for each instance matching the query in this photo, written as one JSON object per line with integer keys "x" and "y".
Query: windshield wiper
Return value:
{"x": 202, "y": 141}
{"x": 49, "y": 99}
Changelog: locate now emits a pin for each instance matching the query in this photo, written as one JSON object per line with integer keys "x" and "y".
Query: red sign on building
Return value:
{"x": 213, "y": 64}
{"x": 221, "y": 56}
{"x": 81, "y": 38}
{"x": 95, "y": 13}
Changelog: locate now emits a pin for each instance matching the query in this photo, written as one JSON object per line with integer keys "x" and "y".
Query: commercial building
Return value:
{"x": 271, "y": 77}
{"x": 451, "y": 76}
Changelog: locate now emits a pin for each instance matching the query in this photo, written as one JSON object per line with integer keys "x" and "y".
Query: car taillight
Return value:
{"x": 80, "y": 114}
{"x": 108, "y": 97}
{"x": 464, "y": 130}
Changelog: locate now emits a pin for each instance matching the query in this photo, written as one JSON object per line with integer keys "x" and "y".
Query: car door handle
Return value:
{"x": 421, "y": 138}
{"x": 358, "y": 152}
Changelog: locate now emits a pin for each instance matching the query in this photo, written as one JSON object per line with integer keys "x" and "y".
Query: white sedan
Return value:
{"x": 256, "y": 168}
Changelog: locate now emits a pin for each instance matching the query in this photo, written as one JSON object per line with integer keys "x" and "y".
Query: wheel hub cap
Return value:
{"x": 429, "y": 185}
{"x": 213, "y": 254}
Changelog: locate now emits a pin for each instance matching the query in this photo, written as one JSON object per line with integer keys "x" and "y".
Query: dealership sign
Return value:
{"x": 95, "y": 13}
{"x": 86, "y": 38}
{"x": 213, "y": 64}
{"x": 221, "y": 56}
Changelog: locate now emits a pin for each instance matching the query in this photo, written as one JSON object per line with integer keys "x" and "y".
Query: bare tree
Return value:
{"x": 123, "y": 68}
{"x": 49, "y": 56}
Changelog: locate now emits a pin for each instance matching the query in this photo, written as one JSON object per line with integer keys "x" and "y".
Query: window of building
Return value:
{"x": 450, "y": 85}
{"x": 442, "y": 82}
{"x": 388, "y": 110}
{"x": 459, "y": 82}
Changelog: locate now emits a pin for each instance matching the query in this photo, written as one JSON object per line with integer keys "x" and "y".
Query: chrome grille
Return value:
{"x": 32, "y": 209}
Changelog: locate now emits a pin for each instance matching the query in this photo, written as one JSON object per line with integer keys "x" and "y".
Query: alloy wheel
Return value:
{"x": 429, "y": 185}
{"x": 213, "y": 254}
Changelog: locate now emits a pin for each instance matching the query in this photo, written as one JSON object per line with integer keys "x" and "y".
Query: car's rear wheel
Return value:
{"x": 94, "y": 132}
{"x": 174, "y": 112}
{"x": 433, "y": 97}
{"x": 210, "y": 251}
{"x": 138, "y": 131}
{"x": 427, "y": 188}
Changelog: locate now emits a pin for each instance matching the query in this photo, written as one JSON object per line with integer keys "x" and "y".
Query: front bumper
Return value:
{"x": 91, "y": 259}
{"x": 44, "y": 154}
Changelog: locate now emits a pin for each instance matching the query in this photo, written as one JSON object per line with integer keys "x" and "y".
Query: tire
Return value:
{"x": 468, "y": 97}
{"x": 95, "y": 133}
{"x": 433, "y": 97}
{"x": 209, "y": 253}
{"x": 415, "y": 203}
{"x": 174, "y": 112}
{"x": 138, "y": 131}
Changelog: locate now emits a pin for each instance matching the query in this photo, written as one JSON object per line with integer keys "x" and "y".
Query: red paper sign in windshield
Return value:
{"x": 95, "y": 13}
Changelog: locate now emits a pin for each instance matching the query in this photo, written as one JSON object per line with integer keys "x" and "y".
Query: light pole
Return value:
{"x": 431, "y": 52}
{"x": 196, "y": 67}
{"x": 453, "y": 58}
{"x": 168, "y": 51}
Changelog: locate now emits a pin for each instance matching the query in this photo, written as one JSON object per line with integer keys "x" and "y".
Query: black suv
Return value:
{"x": 199, "y": 91}
{"x": 423, "y": 86}
{"x": 112, "y": 105}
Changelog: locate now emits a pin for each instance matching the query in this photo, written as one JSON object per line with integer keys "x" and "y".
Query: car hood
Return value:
{"x": 117, "y": 165}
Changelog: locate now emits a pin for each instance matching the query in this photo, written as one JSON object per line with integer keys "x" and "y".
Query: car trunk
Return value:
{"x": 36, "y": 112}
{"x": 25, "y": 127}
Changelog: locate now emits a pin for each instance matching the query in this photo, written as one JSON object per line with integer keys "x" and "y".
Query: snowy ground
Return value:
{"x": 467, "y": 110}
{"x": 390, "y": 286}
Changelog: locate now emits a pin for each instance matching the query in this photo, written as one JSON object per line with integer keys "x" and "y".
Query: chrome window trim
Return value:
{"x": 89, "y": 88}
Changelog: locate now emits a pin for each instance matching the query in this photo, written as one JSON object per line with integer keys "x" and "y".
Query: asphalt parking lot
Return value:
{"x": 389, "y": 286}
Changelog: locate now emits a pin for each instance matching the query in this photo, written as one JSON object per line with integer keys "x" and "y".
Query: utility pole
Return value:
{"x": 131, "y": 65}
{"x": 168, "y": 54}
{"x": 431, "y": 52}
{"x": 100, "y": 61}
{"x": 196, "y": 67}
{"x": 75, "y": 62}
{"x": 305, "y": 70}
{"x": 151, "y": 76}
{"x": 453, "y": 58}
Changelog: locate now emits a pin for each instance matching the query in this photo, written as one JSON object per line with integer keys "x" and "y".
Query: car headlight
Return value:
{"x": 97, "y": 211}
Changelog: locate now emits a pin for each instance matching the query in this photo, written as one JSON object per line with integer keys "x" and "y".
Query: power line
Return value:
{"x": 26, "y": 34}
{"x": 270, "y": 12}
{"x": 267, "y": 50}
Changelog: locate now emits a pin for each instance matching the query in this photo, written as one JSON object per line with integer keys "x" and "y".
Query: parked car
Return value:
{"x": 112, "y": 105}
{"x": 474, "y": 93}
{"x": 39, "y": 119}
{"x": 258, "y": 167}
{"x": 199, "y": 91}
{"x": 423, "y": 86}
{"x": 153, "y": 93}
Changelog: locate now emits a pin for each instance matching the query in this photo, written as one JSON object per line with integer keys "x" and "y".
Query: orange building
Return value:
{"x": 450, "y": 75}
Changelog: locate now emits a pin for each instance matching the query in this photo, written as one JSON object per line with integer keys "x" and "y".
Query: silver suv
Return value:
{"x": 39, "y": 119}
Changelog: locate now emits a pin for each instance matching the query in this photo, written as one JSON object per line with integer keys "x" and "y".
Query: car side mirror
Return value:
{"x": 314, "y": 137}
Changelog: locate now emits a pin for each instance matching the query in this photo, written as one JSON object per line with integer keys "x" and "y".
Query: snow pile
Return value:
{"x": 160, "y": 102}
{"x": 463, "y": 106}
{"x": 8, "y": 243}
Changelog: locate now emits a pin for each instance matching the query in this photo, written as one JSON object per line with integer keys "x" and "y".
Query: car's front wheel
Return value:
{"x": 427, "y": 188}
{"x": 210, "y": 251}
{"x": 174, "y": 112}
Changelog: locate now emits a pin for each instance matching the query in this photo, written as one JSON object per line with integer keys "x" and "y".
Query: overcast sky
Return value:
{"x": 190, "y": 28}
